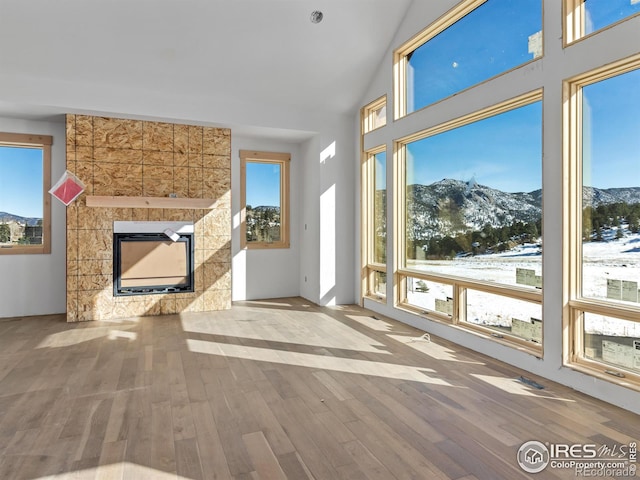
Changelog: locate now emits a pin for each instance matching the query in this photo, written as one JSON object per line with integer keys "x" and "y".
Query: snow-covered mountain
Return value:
{"x": 451, "y": 206}
{"x": 598, "y": 196}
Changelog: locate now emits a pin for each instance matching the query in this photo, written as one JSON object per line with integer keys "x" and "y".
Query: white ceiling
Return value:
{"x": 261, "y": 52}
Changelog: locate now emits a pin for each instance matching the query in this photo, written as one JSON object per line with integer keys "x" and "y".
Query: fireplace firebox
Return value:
{"x": 153, "y": 257}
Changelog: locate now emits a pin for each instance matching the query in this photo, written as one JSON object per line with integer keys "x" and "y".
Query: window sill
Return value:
{"x": 600, "y": 371}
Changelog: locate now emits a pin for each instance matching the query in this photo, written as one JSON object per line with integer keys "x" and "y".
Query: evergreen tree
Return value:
{"x": 5, "y": 233}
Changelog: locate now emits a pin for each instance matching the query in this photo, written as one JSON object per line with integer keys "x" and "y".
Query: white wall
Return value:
{"x": 260, "y": 274}
{"x": 319, "y": 264}
{"x": 549, "y": 72}
{"x": 337, "y": 214}
{"x": 309, "y": 278}
{"x": 328, "y": 227}
{"x": 36, "y": 284}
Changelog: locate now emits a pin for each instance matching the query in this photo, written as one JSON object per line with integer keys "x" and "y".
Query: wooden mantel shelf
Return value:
{"x": 150, "y": 202}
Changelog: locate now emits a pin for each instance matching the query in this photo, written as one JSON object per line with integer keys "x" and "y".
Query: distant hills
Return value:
{"x": 263, "y": 208}
{"x": 449, "y": 207}
{"x": 597, "y": 196}
{"x": 10, "y": 217}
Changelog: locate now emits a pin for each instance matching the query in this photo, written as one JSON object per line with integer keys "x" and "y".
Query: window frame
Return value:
{"x": 370, "y": 267}
{"x": 42, "y": 142}
{"x": 369, "y": 115}
{"x": 275, "y": 158}
{"x": 575, "y": 305}
{"x": 460, "y": 285}
{"x": 402, "y": 53}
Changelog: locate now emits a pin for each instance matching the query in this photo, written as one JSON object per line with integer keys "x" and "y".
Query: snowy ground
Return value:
{"x": 612, "y": 259}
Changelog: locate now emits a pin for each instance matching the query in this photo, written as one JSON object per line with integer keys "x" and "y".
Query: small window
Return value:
{"x": 511, "y": 318}
{"x": 25, "y": 176}
{"x": 425, "y": 295}
{"x": 584, "y": 18}
{"x": 374, "y": 115}
{"x": 265, "y": 199}
{"x": 472, "y": 43}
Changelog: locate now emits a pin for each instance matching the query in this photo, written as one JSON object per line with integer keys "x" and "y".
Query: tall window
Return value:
{"x": 375, "y": 212}
{"x": 471, "y": 220}
{"x": 476, "y": 41}
{"x": 584, "y": 18}
{"x": 265, "y": 199}
{"x": 25, "y": 210}
{"x": 605, "y": 167}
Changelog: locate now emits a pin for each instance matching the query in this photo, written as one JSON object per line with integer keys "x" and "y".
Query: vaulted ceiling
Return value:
{"x": 265, "y": 53}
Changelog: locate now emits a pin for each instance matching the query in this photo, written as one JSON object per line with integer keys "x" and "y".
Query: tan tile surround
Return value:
{"x": 150, "y": 159}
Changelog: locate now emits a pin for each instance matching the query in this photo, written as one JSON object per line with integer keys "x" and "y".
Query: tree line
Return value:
{"x": 489, "y": 239}
{"x": 597, "y": 219}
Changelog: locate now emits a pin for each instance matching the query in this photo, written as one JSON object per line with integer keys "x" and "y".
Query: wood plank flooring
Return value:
{"x": 273, "y": 390}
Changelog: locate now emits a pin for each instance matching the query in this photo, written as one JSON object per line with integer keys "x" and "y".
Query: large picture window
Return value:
{"x": 25, "y": 210}
{"x": 471, "y": 220}
{"x": 474, "y": 42}
{"x": 473, "y": 204}
{"x": 264, "y": 195}
{"x": 605, "y": 245}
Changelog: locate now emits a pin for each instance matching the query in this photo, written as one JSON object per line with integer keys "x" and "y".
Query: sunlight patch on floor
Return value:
{"x": 116, "y": 471}
{"x": 273, "y": 304}
{"x": 347, "y": 365}
{"x": 76, "y": 336}
{"x": 432, "y": 349}
{"x": 513, "y": 386}
{"x": 305, "y": 328}
{"x": 371, "y": 322}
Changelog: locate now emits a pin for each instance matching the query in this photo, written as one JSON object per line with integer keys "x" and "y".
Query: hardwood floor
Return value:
{"x": 278, "y": 389}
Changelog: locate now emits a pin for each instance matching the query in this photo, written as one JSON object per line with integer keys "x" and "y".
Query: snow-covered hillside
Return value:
{"x": 449, "y": 207}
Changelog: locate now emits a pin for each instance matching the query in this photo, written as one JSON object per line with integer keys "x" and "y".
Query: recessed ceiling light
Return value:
{"x": 316, "y": 16}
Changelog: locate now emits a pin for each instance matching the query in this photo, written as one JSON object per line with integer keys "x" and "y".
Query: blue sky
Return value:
{"x": 21, "y": 181}
{"x": 502, "y": 152}
{"x": 381, "y": 170}
{"x": 488, "y": 41}
{"x": 611, "y": 124}
{"x": 601, "y": 13}
{"x": 505, "y": 152}
{"x": 263, "y": 184}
